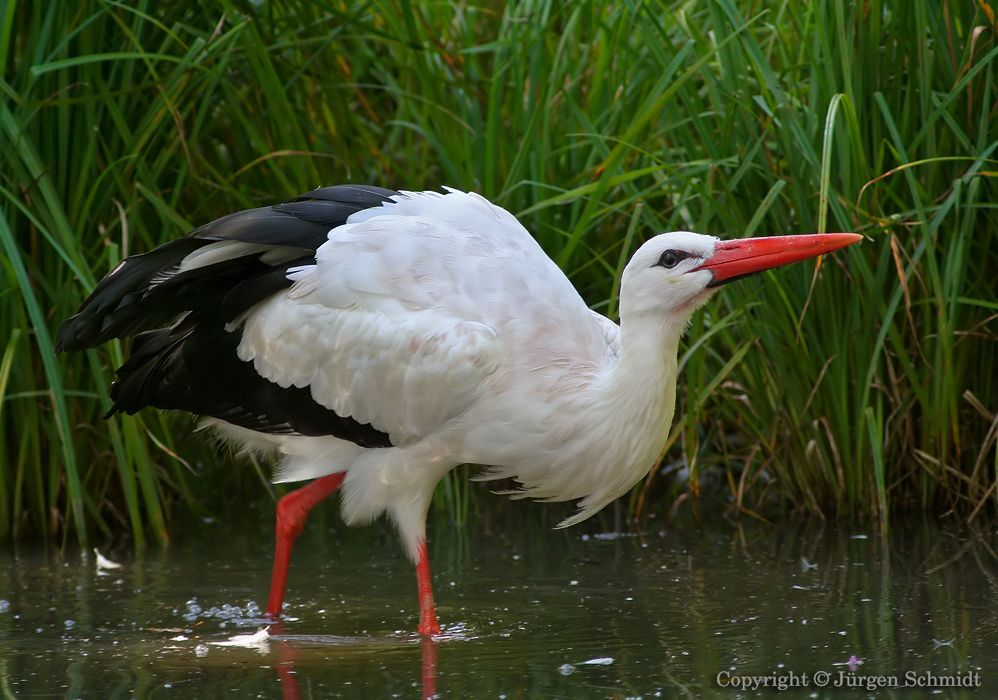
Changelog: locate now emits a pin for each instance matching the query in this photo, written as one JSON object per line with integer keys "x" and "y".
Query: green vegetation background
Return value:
{"x": 858, "y": 390}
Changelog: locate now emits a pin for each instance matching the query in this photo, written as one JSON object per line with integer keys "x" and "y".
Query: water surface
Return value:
{"x": 595, "y": 611}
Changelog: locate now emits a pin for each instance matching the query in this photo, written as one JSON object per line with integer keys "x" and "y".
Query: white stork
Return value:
{"x": 374, "y": 340}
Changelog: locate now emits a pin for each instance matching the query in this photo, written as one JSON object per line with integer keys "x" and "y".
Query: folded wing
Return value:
{"x": 180, "y": 301}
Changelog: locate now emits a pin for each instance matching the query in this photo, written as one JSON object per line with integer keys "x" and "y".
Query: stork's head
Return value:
{"x": 674, "y": 273}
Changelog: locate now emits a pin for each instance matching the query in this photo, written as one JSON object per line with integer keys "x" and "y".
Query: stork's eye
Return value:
{"x": 671, "y": 258}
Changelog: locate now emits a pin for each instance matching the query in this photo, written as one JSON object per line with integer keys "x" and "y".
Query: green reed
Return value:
{"x": 860, "y": 389}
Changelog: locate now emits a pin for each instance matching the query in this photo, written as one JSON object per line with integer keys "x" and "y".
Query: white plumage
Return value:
{"x": 436, "y": 319}
{"x": 440, "y": 321}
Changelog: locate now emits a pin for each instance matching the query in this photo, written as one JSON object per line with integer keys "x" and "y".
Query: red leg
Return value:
{"x": 292, "y": 511}
{"x": 428, "y": 624}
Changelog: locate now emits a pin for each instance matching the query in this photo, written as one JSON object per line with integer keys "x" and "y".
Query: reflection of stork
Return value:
{"x": 376, "y": 340}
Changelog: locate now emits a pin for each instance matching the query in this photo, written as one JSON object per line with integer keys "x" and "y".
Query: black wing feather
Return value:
{"x": 116, "y": 298}
{"x": 112, "y": 309}
{"x": 167, "y": 369}
{"x": 192, "y": 365}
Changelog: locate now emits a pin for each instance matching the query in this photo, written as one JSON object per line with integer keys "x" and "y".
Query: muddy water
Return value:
{"x": 528, "y": 612}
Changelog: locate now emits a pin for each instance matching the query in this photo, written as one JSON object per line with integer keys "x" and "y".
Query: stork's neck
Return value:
{"x": 649, "y": 346}
{"x": 639, "y": 394}
{"x": 604, "y": 432}
{"x": 626, "y": 423}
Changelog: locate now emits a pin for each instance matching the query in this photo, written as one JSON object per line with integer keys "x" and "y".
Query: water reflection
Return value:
{"x": 528, "y": 612}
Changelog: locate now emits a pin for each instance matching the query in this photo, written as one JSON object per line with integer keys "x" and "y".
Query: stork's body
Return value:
{"x": 401, "y": 336}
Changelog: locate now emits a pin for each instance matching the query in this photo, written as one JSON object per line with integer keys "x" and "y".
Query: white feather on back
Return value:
{"x": 405, "y": 376}
{"x": 611, "y": 333}
{"x": 411, "y": 309}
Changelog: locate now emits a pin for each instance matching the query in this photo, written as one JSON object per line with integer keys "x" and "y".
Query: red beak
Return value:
{"x": 737, "y": 258}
